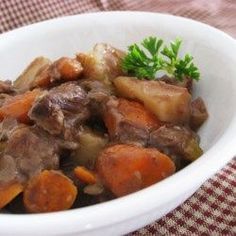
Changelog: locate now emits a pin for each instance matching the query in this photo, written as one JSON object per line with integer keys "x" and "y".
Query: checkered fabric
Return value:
{"x": 212, "y": 209}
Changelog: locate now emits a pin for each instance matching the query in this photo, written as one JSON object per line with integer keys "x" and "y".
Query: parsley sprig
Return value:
{"x": 151, "y": 56}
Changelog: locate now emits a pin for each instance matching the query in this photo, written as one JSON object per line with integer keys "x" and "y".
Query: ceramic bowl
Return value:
{"x": 214, "y": 52}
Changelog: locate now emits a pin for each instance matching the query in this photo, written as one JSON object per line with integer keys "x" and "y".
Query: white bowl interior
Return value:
{"x": 67, "y": 39}
{"x": 214, "y": 53}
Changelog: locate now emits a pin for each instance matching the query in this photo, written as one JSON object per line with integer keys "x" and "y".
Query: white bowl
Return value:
{"x": 214, "y": 52}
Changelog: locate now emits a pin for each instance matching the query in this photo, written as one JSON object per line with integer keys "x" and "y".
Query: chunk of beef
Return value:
{"x": 6, "y": 127}
{"x": 185, "y": 83}
{"x": 6, "y": 87}
{"x": 3, "y": 98}
{"x": 96, "y": 90}
{"x": 8, "y": 170}
{"x": 129, "y": 121}
{"x": 28, "y": 151}
{"x": 98, "y": 95}
{"x": 61, "y": 110}
{"x": 199, "y": 113}
{"x": 176, "y": 140}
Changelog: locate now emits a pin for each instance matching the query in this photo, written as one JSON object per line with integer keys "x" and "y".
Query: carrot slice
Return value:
{"x": 85, "y": 175}
{"x": 19, "y": 106}
{"x": 49, "y": 191}
{"x": 9, "y": 192}
{"x": 131, "y": 112}
{"x": 126, "y": 168}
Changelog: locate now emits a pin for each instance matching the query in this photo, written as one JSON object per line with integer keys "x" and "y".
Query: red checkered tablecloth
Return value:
{"x": 212, "y": 209}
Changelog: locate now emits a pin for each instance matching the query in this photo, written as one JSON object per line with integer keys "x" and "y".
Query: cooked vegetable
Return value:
{"x": 26, "y": 80}
{"x": 125, "y": 168}
{"x": 9, "y": 192}
{"x": 94, "y": 189}
{"x": 146, "y": 63}
{"x": 103, "y": 63}
{"x": 49, "y": 191}
{"x": 129, "y": 121}
{"x": 169, "y": 103}
{"x": 19, "y": 105}
{"x": 91, "y": 143}
{"x": 42, "y": 79}
{"x": 85, "y": 175}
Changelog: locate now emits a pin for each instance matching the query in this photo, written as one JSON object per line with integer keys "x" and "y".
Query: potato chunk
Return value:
{"x": 103, "y": 63}
{"x": 49, "y": 191}
{"x": 127, "y": 168}
{"x": 26, "y": 79}
{"x": 91, "y": 143}
{"x": 168, "y": 102}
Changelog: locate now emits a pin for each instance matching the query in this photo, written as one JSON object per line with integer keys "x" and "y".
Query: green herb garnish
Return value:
{"x": 151, "y": 56}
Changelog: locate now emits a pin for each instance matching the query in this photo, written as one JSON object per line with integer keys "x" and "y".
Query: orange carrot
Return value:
{"x": 19, "y": 106}
{"x": 127, "y": 168}
{"x": 85, "y": 175}
{"x": 49, "y": 191}
{"x": 9, "y": 192}
{"x": 131, "y": 112}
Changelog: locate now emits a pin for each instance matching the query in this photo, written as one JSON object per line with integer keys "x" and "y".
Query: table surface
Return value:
{"x": 212, "y": 209}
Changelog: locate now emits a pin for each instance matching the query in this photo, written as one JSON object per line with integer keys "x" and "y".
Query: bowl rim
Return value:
{"x": 86, "y": 217}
